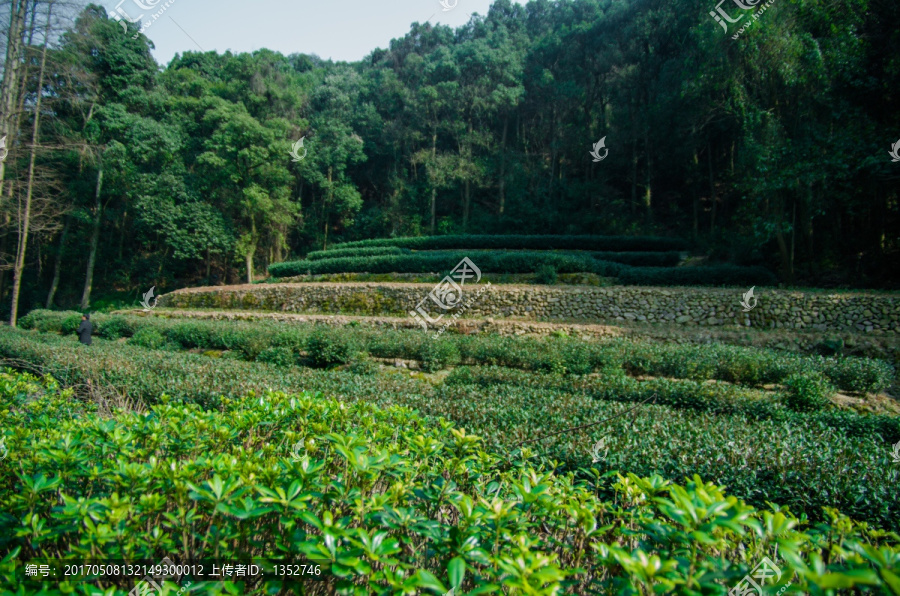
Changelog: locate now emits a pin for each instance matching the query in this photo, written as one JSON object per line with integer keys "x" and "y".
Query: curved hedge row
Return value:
{"x": 509, "y": 262}
{"x": 529, "y": 262}
{"x": 440, "y": 510}
{"x": 521, "y": 241}
{"x": 372, "y": 251}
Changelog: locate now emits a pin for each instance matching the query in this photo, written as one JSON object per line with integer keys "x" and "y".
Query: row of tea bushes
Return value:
{"x": 422, "y": 262}
{"x": 338, "y": 253}
{"x": 526, "y": 242}
{"x": 802, "y": 461}
{"x": 719, "y": 398}
{"x": 501, "y": 263}
{"x": 638, "y": 259}
{"x": 391, "y": 504}
{"x": 742, "y": 365}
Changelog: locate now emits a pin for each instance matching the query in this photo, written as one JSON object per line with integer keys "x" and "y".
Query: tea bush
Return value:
{"x": 437, "y": 355}
{"x": 807, "y": 392}
{"x": 546, "y": 275}
{"x": 149, "y": 338}
{"x": 390, "y": 502}
{"x": 277, "y": 356}
{"x": 328, "y": 347}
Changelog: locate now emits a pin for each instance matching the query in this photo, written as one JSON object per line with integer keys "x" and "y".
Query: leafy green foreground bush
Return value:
{"x": 523, "y": 242}
{"x": 393, "y": 504}
{"x": 742, "y": 365}
{"x": 804, "y": 461}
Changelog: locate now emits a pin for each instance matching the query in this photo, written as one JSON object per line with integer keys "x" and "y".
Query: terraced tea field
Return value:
{"x": 477, "y": 462}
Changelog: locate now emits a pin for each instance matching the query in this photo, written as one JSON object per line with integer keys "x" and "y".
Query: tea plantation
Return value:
{"x": 485, "y": 471}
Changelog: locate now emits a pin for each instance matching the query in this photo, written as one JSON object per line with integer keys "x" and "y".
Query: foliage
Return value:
{"x": 807, "y": 392}
{"x": 277, "y": 356}
{"x": 328, "y": 347}
{"x": 763, "y": 452}
{"x": 546, "y": 275}
{"x": 753, "y": 367}
{"x": 336, "y": 253}
{"x": 526, "y": 242}
{"x": 232, "y": 466}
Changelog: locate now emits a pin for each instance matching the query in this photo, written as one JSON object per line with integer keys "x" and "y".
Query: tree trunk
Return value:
{"x": 433, "y": 182}
{"x": 648, "y": 193}
{"x": 503, "y": 164}
{"x": 95, "y": 238}
{"x": 9, "y": 87}
{"x": 25, "y": 223}
{"x": 712, "y": 189}
{"x": 57, "y": 265}
{"x": 325, "y": 208}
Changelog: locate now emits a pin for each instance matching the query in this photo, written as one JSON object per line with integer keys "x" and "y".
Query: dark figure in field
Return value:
{"x": 85, "y": 330}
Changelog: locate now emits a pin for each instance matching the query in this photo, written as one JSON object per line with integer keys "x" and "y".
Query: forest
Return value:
{"x": 770, "y": 149}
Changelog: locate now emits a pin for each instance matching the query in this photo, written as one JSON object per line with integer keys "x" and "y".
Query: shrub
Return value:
{"x": 859, "y": 374}
{"x": 362, "y": 364}
{"x": 114, "y": 328}
{"x": 546, "y": 275}
{"x": 277, "y": 356}
{"x": 149, "y": 338}
{"x": 807, "y": 392}
{"x": 438, "y": 354}
{"x": 330, "y": 347}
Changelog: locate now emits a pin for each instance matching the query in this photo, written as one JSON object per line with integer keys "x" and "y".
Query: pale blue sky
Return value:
{"x": 336, "y": 29}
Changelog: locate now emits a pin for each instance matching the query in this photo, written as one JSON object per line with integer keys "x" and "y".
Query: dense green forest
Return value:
{"x": 768, "y": 149}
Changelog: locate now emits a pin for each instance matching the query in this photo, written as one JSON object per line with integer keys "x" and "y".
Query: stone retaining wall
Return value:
{"x": 875, "y": 313}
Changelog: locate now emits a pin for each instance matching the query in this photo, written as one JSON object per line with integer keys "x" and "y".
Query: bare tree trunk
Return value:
{"x": 25, "y": 222}
{"x": 433, "y": 182}
{"x": 57, "y": 265}
{"x": 648, "y": 192}
{"x": 503, "y": 164}
{"x": 712, "y": 189}
{"x": 11, "y": 67}
{"x": 95, "y": 239}
{"x": 325, "y": 209}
